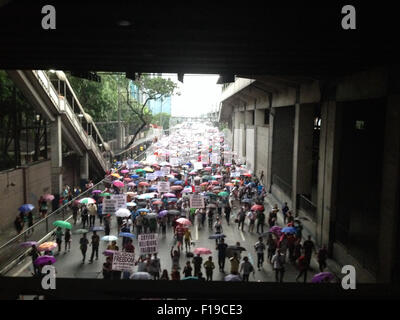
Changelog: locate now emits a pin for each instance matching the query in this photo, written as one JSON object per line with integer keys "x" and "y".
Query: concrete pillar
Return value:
{"x": 389, "y": 213}
{"x": 84, "y": 168}
{"x": 327, "y": 172}
{"x": 56, "y": 156}
{"x": 302, "y": 151}
{"x": 259, "y": 117}
{"x": 268, "y": 177}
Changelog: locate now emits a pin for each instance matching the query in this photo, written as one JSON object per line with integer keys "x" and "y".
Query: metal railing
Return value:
{"x": 282, "y": 184}
{"x": 11, "y": 251}
{"x": 307, "y": 207}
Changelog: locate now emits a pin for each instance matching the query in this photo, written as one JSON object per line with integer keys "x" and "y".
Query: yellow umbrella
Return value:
{"x": 148, "y": 169}
{"x": 47, "y": 246}
{"x": 116, "y": 175}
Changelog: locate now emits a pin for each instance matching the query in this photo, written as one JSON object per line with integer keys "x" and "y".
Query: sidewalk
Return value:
{"x": 332, "y": 265}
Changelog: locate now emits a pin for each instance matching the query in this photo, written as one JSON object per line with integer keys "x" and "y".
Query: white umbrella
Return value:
{"x": 141, "y": 276}
{"x": 109, "y": 238}
{"x": 122, "y": 212}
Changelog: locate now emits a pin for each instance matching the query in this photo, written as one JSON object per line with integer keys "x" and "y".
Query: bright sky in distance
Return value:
{"x": 199, "y": 94}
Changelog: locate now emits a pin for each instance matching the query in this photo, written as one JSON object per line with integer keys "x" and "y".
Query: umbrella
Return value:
{"x": 257, "y": 207}
{"x": 176, "y": 188}
{"x": 124, "y": 171}
{"x": 202, "y": 251}
{"x": 139, "y": 171}
{"x": 169, "y": 195}
{"x": 163, "y": 213}
{"x": 43, "y": 260}
{"x": 118, "y": 184}
{"x": 212, "y": 205}
{"x": 47, "y": 246}
{"x": 122, "y": 212}
{"x": 134, "y": 176}
{"x": 87, "y": 201}
{"x": 246, "y": 200}
{"x": 131, "y": 204}
{"x": 187, "y": 190}
{"x": 105, "y": 194}
{"x": 184, "y": 221}
{"x": 223, "y": 194}
{"x": 109, "y": 252}
{"x": 276, "y": 229}
{"x": 141, "y": 276}
{"x": 146, "y": 196}
{"x": 151, "y": 215}
{"x": 109, "y": 238}
{"x": 26, "y": 207}
{"x": 143, "y": 210}
{"x": 127, "y": 235}
{"x": 207, "y": 168}
{"x": 148, "y": 169}
{"x": 288, "y": 230}
{"x": 217, "y": 236}
{"x": 232, "y": 277}
{"x": 62, "y": 224}
{"x": 323, "y": 277}
{"x": 204, "y": 184}
{"x": 116, "y": 175}
{"x": 229, "y": 184}
{"x": 237, "y": 248}
{"x": 127, "y": 180}
{"x": 178, "y": 182}
{"x": 131, "y": 184}
{"x": 28, "y": 244}
{"x": 81, "y": 231}
{"x": 157, "y": 202}
{"x": 96, "y": 229}
{"x": 48, "y": 197}
{"x": 174, "y": 212}
{"x": 190, "y": 278}
{"x": 144, "y": 184}
{"x": 97, "y": 191}
{"x": 217, "y": 176}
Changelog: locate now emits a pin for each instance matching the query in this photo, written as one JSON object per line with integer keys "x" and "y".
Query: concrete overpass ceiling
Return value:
{"x": 219, "y": 37}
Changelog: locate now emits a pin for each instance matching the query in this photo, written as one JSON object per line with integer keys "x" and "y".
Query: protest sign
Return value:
{"x": 148, "y": 243}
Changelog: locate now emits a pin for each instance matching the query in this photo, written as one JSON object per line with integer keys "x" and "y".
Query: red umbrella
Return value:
{"x": 184, "y": 221}
{"x": 176, "y": 188}
{"x": 229, "y": 184}
{"x": 208, "y": 168}
{"x": 215, "y": 182}
{"x": 257, "y": 207}
{"x": 127, "y": 179}
{"x": 247, "y": 174}
{"x": 143, "y": 184}
{"x": 204, "y": 184}
{"x": 157, "y": 202}
{"x": 202, "y": 251}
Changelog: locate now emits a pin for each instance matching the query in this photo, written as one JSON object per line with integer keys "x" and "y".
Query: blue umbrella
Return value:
{"x": 96, "y": 229}
{"x": 143, "y": 210}
{"x": 134, "y": 176}
{"x": 190, "y": 278}
{"x": 172, "y": 199}
{"x": 127, "y": 235}
{"x": 288, "y": 230}
{"x": 178, "y": 182}
{"x": 130, "y": 204}
{"x": 217, "y": 236}
{"x": 26, "y": 207}
{"x": 172, "y": 180}
{"x": 153, "y": 189}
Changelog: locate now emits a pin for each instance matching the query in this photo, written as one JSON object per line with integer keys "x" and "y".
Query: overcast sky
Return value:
{"x": 199, "y": 94}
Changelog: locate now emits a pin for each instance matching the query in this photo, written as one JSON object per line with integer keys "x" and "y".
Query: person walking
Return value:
{"x": 235, "y": 262}
{"x": 241, "y": 218}
{"x": 260, "y": 248}
{"x": 285, "y": 209}
{"x": 309, "y": 247}
{"x": 75, "y": 210}
{"x": 84, "y": 217}
{"x": 188, "y": 237}
{"x": 83, "y": 246}
{"x": 322, "y": 257}
{"x": 247, "y": 268}
{"x": 35, "y": 253}
{"x": 59, "y": 234}
{"x": 95, "y": 246}
{"x": 260, "y": 221}
{"x": 164, "y": 275}
{"x": 18, "y": 224}
{"x": 197, "y": 261}
{"x": 187, "y": 270}
{"x": 278, "y": 261}
{"x": 107, "y": 269}
{"x": 155, "y": 267}
{"x": 221, "y": 248}
{"x": 303, "y": 267}
{"x": 227, "y": 212}
{"x": 209, "y": 266}
{"x": 67, "y": 239}
{"x": 175, "y": 256}
{"x": 92, "y": 214}
{"x": 30, "y": 221}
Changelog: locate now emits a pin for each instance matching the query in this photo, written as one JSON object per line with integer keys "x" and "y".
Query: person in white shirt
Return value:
{"x": 260, "y": 248}
{"x": 247, "y": 268}
{"x": 278, "y": 262}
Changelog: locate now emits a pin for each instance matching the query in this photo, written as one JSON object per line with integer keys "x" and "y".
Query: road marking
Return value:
{"x": 242, "y": 235}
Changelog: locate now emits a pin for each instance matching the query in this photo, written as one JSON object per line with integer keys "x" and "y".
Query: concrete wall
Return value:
{"x": 236, "y": 140}
{"x": 38, "y": 182}
{"x": 250, "y": 150}
{"x": 262, "y": 151}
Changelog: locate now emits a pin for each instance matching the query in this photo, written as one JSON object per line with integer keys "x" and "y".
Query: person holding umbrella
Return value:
{"x": 197, "y": 261}
{"x": 35, "y": 254}
{"x": 59, "y": 234}
{"x": 67, "y": 239}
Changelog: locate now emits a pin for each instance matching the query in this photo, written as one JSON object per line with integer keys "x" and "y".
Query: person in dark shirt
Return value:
{"x": 322, "y": 256}
{"x": 285, "y": 209}
{"x": 197, "y": 261}
{"x": 260, "y": 221}
{"x": 309, "y": 247}
{"x": 107, "y": 268}
{"x": 35, "y": 254}
{"x": 187, "y": 271}
{"x": 95, "y": 246}
{"x": 84, "y": 244}
{"x": 221, "y": 247}
{"x": 227, "y": 211}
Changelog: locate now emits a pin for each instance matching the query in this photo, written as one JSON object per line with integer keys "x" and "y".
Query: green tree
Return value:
{"x": 162, "y": 119}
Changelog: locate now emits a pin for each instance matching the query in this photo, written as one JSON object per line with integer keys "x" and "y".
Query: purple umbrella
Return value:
{"x": 163, "y": 213}
{"x": 109, "y": 252}
{"x": 124, "y": 171}
{"x": 276, "y": 229}
{"x": 322, "y": 277}
{"x": 28, "y": 244}
{"x": 40, "y": 261}
{"x": 97, "y": 191}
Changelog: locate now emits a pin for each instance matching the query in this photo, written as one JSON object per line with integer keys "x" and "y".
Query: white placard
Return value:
{"x": 151, "y": 176}
{"x": 148, "y": 243}
{"x": 166, "y": 170}
{"x": 110, "y": 206}
{"x": 159, "y": 173}
{"x": 121, "y": 200}
{"x": 198, "y": 165}
{"x": 123, "y": 261}
{"x": 214, "y": 158}
{"x": 197, "y": 201}
{"x": 163, "y": 186}
{"x": 174, "y": 162}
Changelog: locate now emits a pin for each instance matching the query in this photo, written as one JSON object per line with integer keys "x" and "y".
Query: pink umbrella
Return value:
{"x": 97, "y": 191}
{"x": 176, "y": 188}
{"x": 48, "y": 197}
{"x": 125, "y": 171}
{"x": 202, "y": 251}
{"x": 131, "y": 184}
{"x": 208, "y": 168}
{"x": 184, "y": 221}
{"x": 143, "y": 184}
{"x": 118, "y": 184}
{"x": 127, "y": 179}
{"x": 169, "y": 195}
{"x": 109, "y": 252}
